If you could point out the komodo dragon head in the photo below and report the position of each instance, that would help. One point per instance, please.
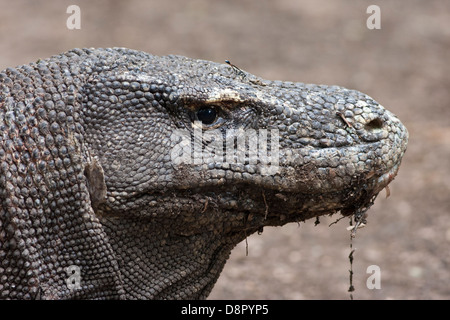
(141, 173)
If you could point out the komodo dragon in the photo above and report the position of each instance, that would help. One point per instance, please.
(112, 187)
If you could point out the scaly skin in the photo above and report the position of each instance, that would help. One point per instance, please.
(94, 172)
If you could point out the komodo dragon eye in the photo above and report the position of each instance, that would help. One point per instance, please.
(207, 115)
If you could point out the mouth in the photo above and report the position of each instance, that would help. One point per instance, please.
(383, 181)
(359, 206)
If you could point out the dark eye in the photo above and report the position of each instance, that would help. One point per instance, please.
(207, 115)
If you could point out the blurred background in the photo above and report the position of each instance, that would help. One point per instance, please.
(405, 66)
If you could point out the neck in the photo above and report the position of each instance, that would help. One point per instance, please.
(156, 264)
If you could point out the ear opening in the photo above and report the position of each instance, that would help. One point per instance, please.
(95, 182)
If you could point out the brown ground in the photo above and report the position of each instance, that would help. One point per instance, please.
(405, 66)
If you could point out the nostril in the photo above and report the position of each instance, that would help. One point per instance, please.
(374, 124)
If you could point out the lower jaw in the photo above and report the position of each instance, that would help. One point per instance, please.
(384, 180)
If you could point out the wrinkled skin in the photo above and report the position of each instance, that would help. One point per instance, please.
(94, 172)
